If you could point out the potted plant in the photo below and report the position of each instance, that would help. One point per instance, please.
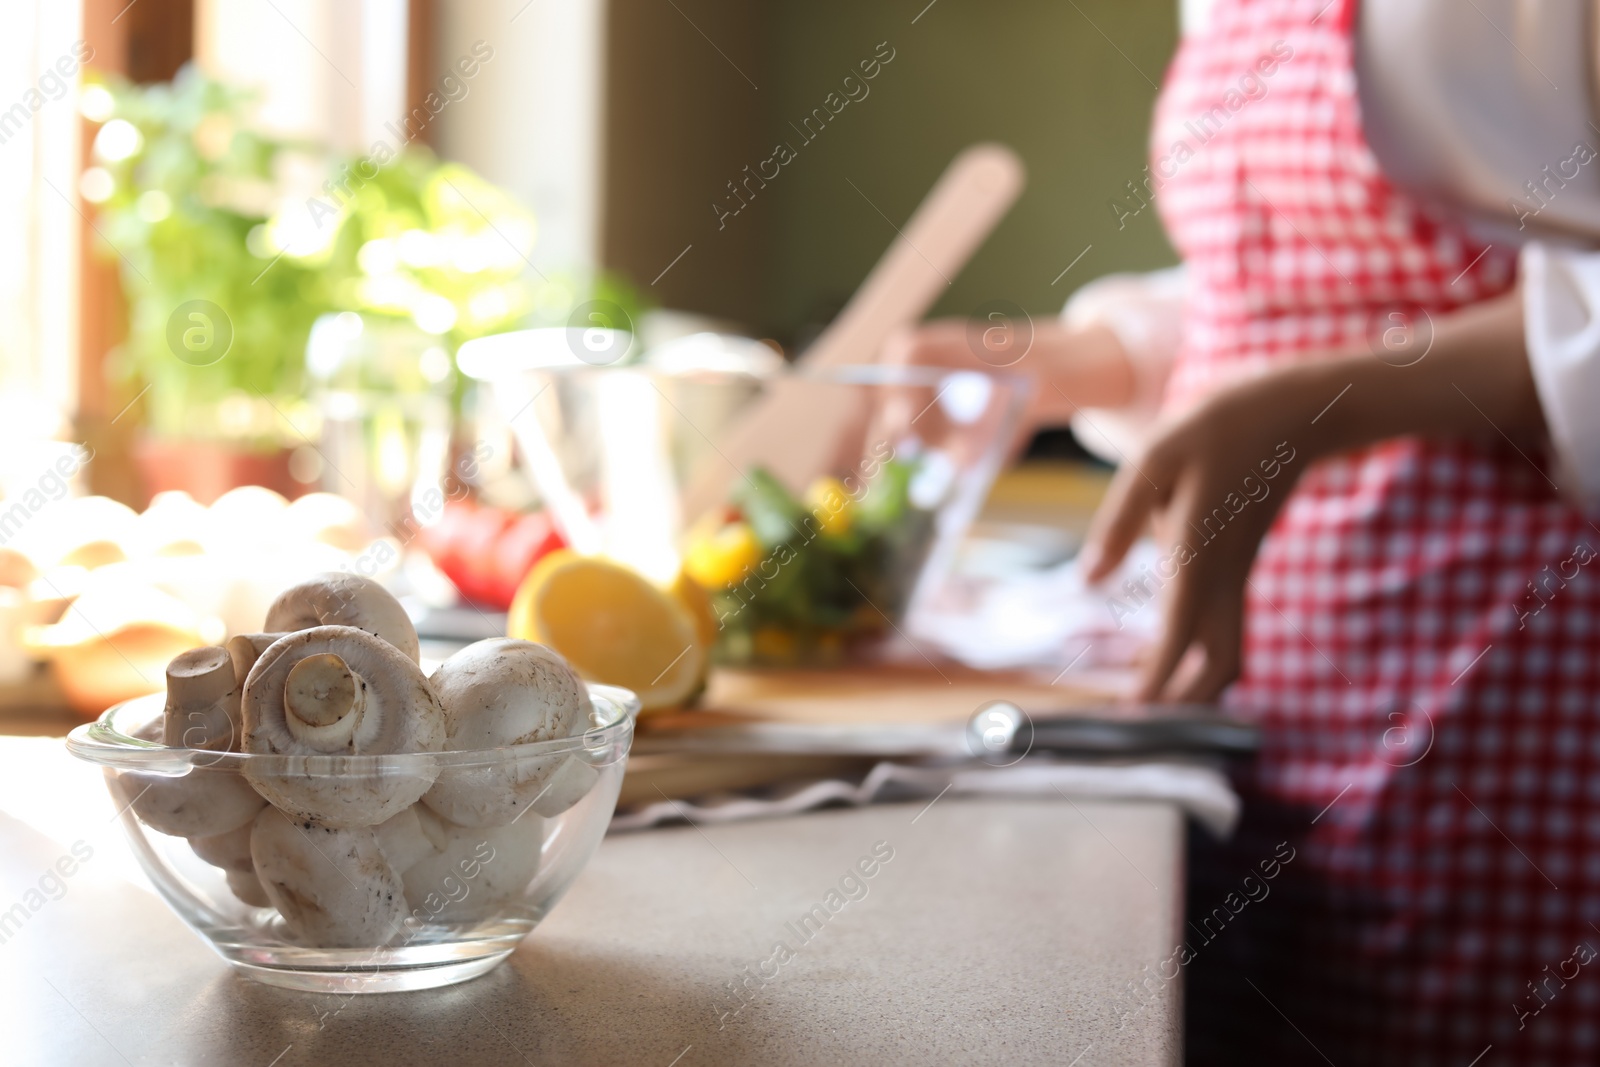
(232, 243)
(216, 328)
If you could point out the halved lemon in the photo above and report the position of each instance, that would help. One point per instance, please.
(697, 602)
(613, 625)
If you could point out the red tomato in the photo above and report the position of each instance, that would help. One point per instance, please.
(476, 553)
(524, 543)
(442, 540)
(487, 551)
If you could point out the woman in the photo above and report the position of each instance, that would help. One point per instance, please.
(1416, 627)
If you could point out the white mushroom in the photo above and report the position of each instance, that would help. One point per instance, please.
(202, 803)
(245, 522)
(344, 600)
(230, 851)
(328, 518)
(169, 526)
(472, 870)
(245, 649)
(88, 531)
(202, 711)
(202, 701)
(330, 692)
(247, 887)
(151, 730)
(403, 840)
(504, 692)
(334, 888)
(568, 782)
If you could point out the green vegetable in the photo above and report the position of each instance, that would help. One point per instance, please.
(887, 499)
(813, 591)
(770, 509)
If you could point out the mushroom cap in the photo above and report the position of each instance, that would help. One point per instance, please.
(245, 521)
(472, 871)
(247, 887)
(403, 840)
(401, 711)
(170, 526)
(230, 851)
(498, 693)
(502, 692)
(202, 709)
(329, 518)
(397, 712)
(204, 802)
(336, 599)
(564, 785)
(150, 731)
(334, 888)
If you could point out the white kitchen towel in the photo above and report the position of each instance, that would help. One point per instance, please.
(1203, 792)
(1030, 617)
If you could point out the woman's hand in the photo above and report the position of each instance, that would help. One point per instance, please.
(1212, 482)
(1214, 479)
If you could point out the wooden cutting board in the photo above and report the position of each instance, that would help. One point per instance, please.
(886, 694)
(878, 694)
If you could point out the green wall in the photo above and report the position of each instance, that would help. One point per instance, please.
(1034, 74)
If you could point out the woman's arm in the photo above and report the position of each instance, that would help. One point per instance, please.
(1474, 380)
(1110, 351)
(1071, 366)
(1068, 365)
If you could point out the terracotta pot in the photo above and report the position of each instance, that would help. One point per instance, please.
(207, 469)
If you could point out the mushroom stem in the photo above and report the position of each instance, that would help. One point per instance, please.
(245, 649)
(202, 709)
(322, 701)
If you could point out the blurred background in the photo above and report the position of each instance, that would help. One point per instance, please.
(245, 242)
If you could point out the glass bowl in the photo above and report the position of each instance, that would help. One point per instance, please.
(855, 495)
(413, 903)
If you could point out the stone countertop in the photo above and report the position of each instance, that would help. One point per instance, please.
(1000, 931)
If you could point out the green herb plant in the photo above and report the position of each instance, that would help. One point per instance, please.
(196, 203)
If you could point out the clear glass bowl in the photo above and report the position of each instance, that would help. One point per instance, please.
(470, 894)
(633, 461)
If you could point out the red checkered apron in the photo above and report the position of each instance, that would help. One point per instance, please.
(1423, 623)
